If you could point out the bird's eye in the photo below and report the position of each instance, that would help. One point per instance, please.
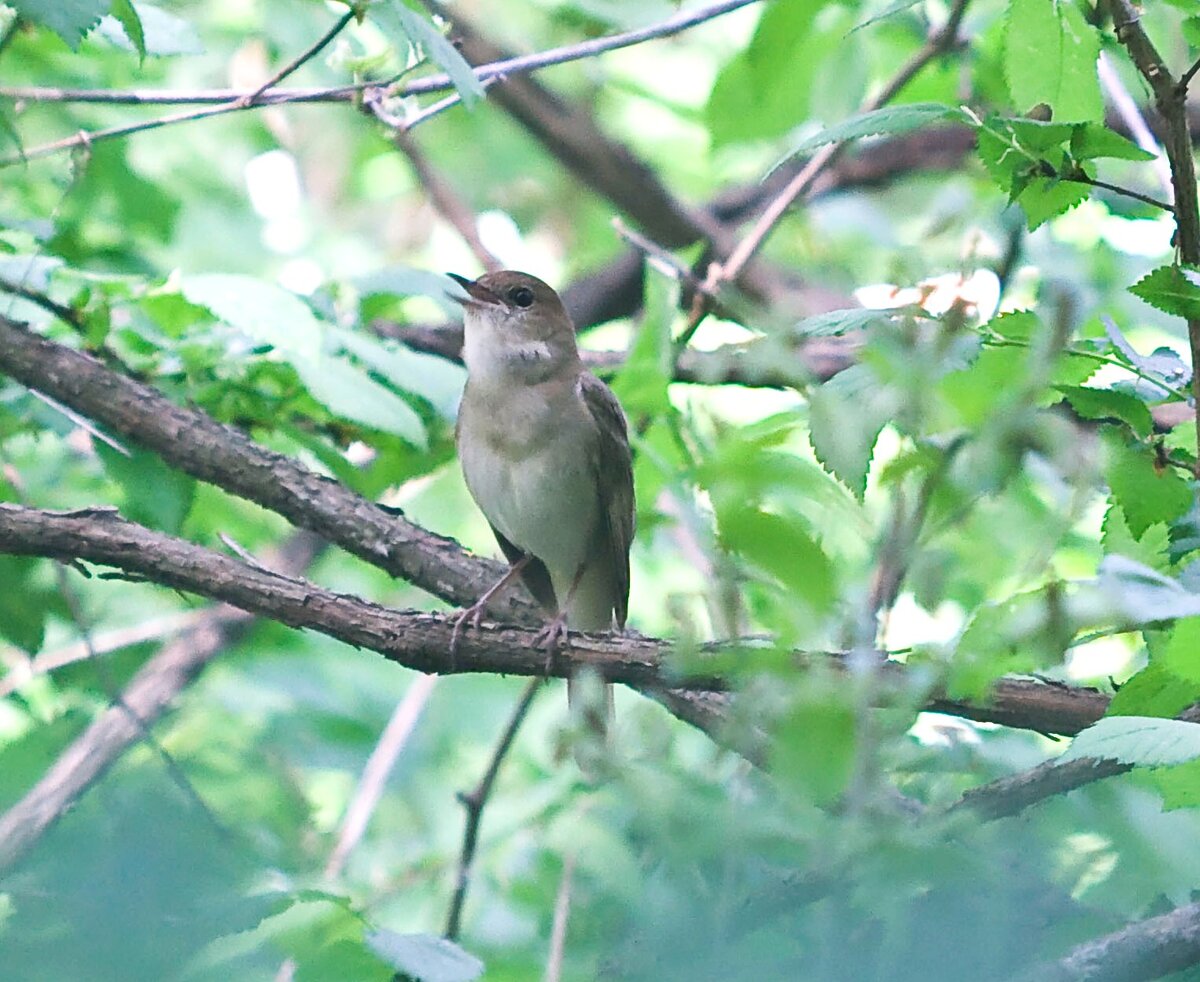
(522, 296)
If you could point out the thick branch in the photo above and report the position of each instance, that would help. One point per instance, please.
(1145, 950)
(197, 444)
(420, 640)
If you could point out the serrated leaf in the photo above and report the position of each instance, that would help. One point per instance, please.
(401, 25)
(1050, 54)
(125, 12)
(1172, 289)
(1181, 654)
(1150, 548)
(1146, 741)
(888, 121)
(425, 957)
(837, 322)
(1092, 403)
(69, 19)
(896, 8)
(1146, 491)
(1046, 198)
(1094, 140)
(845, 417)
(1152, 692)
(164, 34)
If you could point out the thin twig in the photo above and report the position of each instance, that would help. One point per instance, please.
(64, 313)
(378, 767)
(1185, 80)
(232, 100)
(301, 59)
(941, 42)
(474, 803)
(558, 930)
(445, 200)
(1080, 178)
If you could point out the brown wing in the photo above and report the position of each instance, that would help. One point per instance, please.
(535, 576)
(612, 466)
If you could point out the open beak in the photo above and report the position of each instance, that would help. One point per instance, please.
(476, 293)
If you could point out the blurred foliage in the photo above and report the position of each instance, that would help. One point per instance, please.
(992, 450)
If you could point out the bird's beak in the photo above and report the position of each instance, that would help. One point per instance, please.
(476, 293)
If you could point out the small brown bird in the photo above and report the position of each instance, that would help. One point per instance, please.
(545, 452)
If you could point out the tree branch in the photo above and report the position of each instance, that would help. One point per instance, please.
(1144, 950)
(476, 800)
(236, 100)
(148, 695)
(421, 640)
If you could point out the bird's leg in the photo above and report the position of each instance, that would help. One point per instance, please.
(554, 634)
(474, 613)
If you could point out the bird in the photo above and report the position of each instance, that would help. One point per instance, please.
(544, 449)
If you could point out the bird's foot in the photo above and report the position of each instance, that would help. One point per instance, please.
(553, 637)
(472, 615)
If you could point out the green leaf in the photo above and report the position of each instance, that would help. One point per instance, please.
(888, 121)
(401, 24)
(1050, 54)
(432, 378)
(125, 12)
(765, 91)
(425, 957)
(782, 548)
(1172, 289)
(896, 8)
(1091, 403)
(1147, 492)
(1150, 548)
(1146, 741)
(1094, 140)
(164, 34)
(1153, 691)
(23, 603)
(69, 19)
(641, 385)
(837, 322)
(1191, 31)
(975, 391)
(1181, 655)
(845, 416)
(262, 310)
(155, 494)
(349, 393)
(405, 281)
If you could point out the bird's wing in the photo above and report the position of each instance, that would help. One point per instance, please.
(612, 466)
(535, 576)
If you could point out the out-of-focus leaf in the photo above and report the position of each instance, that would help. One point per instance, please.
(641, 385)
(846, 415)
(1146, 741)
(1181, 654)
(430, 377)
(1095, 140)
(403, 25)
(353, 395)
(164, 34)
(1050, 54)
(22, 603)
(764, 91)
(888, 121)
(425, 957)
(69, 19)
(837, 322)
(1147, 491)
(1172, 289)
(896, 8)
(782, 548)
(29, 271)
(262, 310)
(125, 12)
(1127, 592)
(155, 494)
(1153, 691)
